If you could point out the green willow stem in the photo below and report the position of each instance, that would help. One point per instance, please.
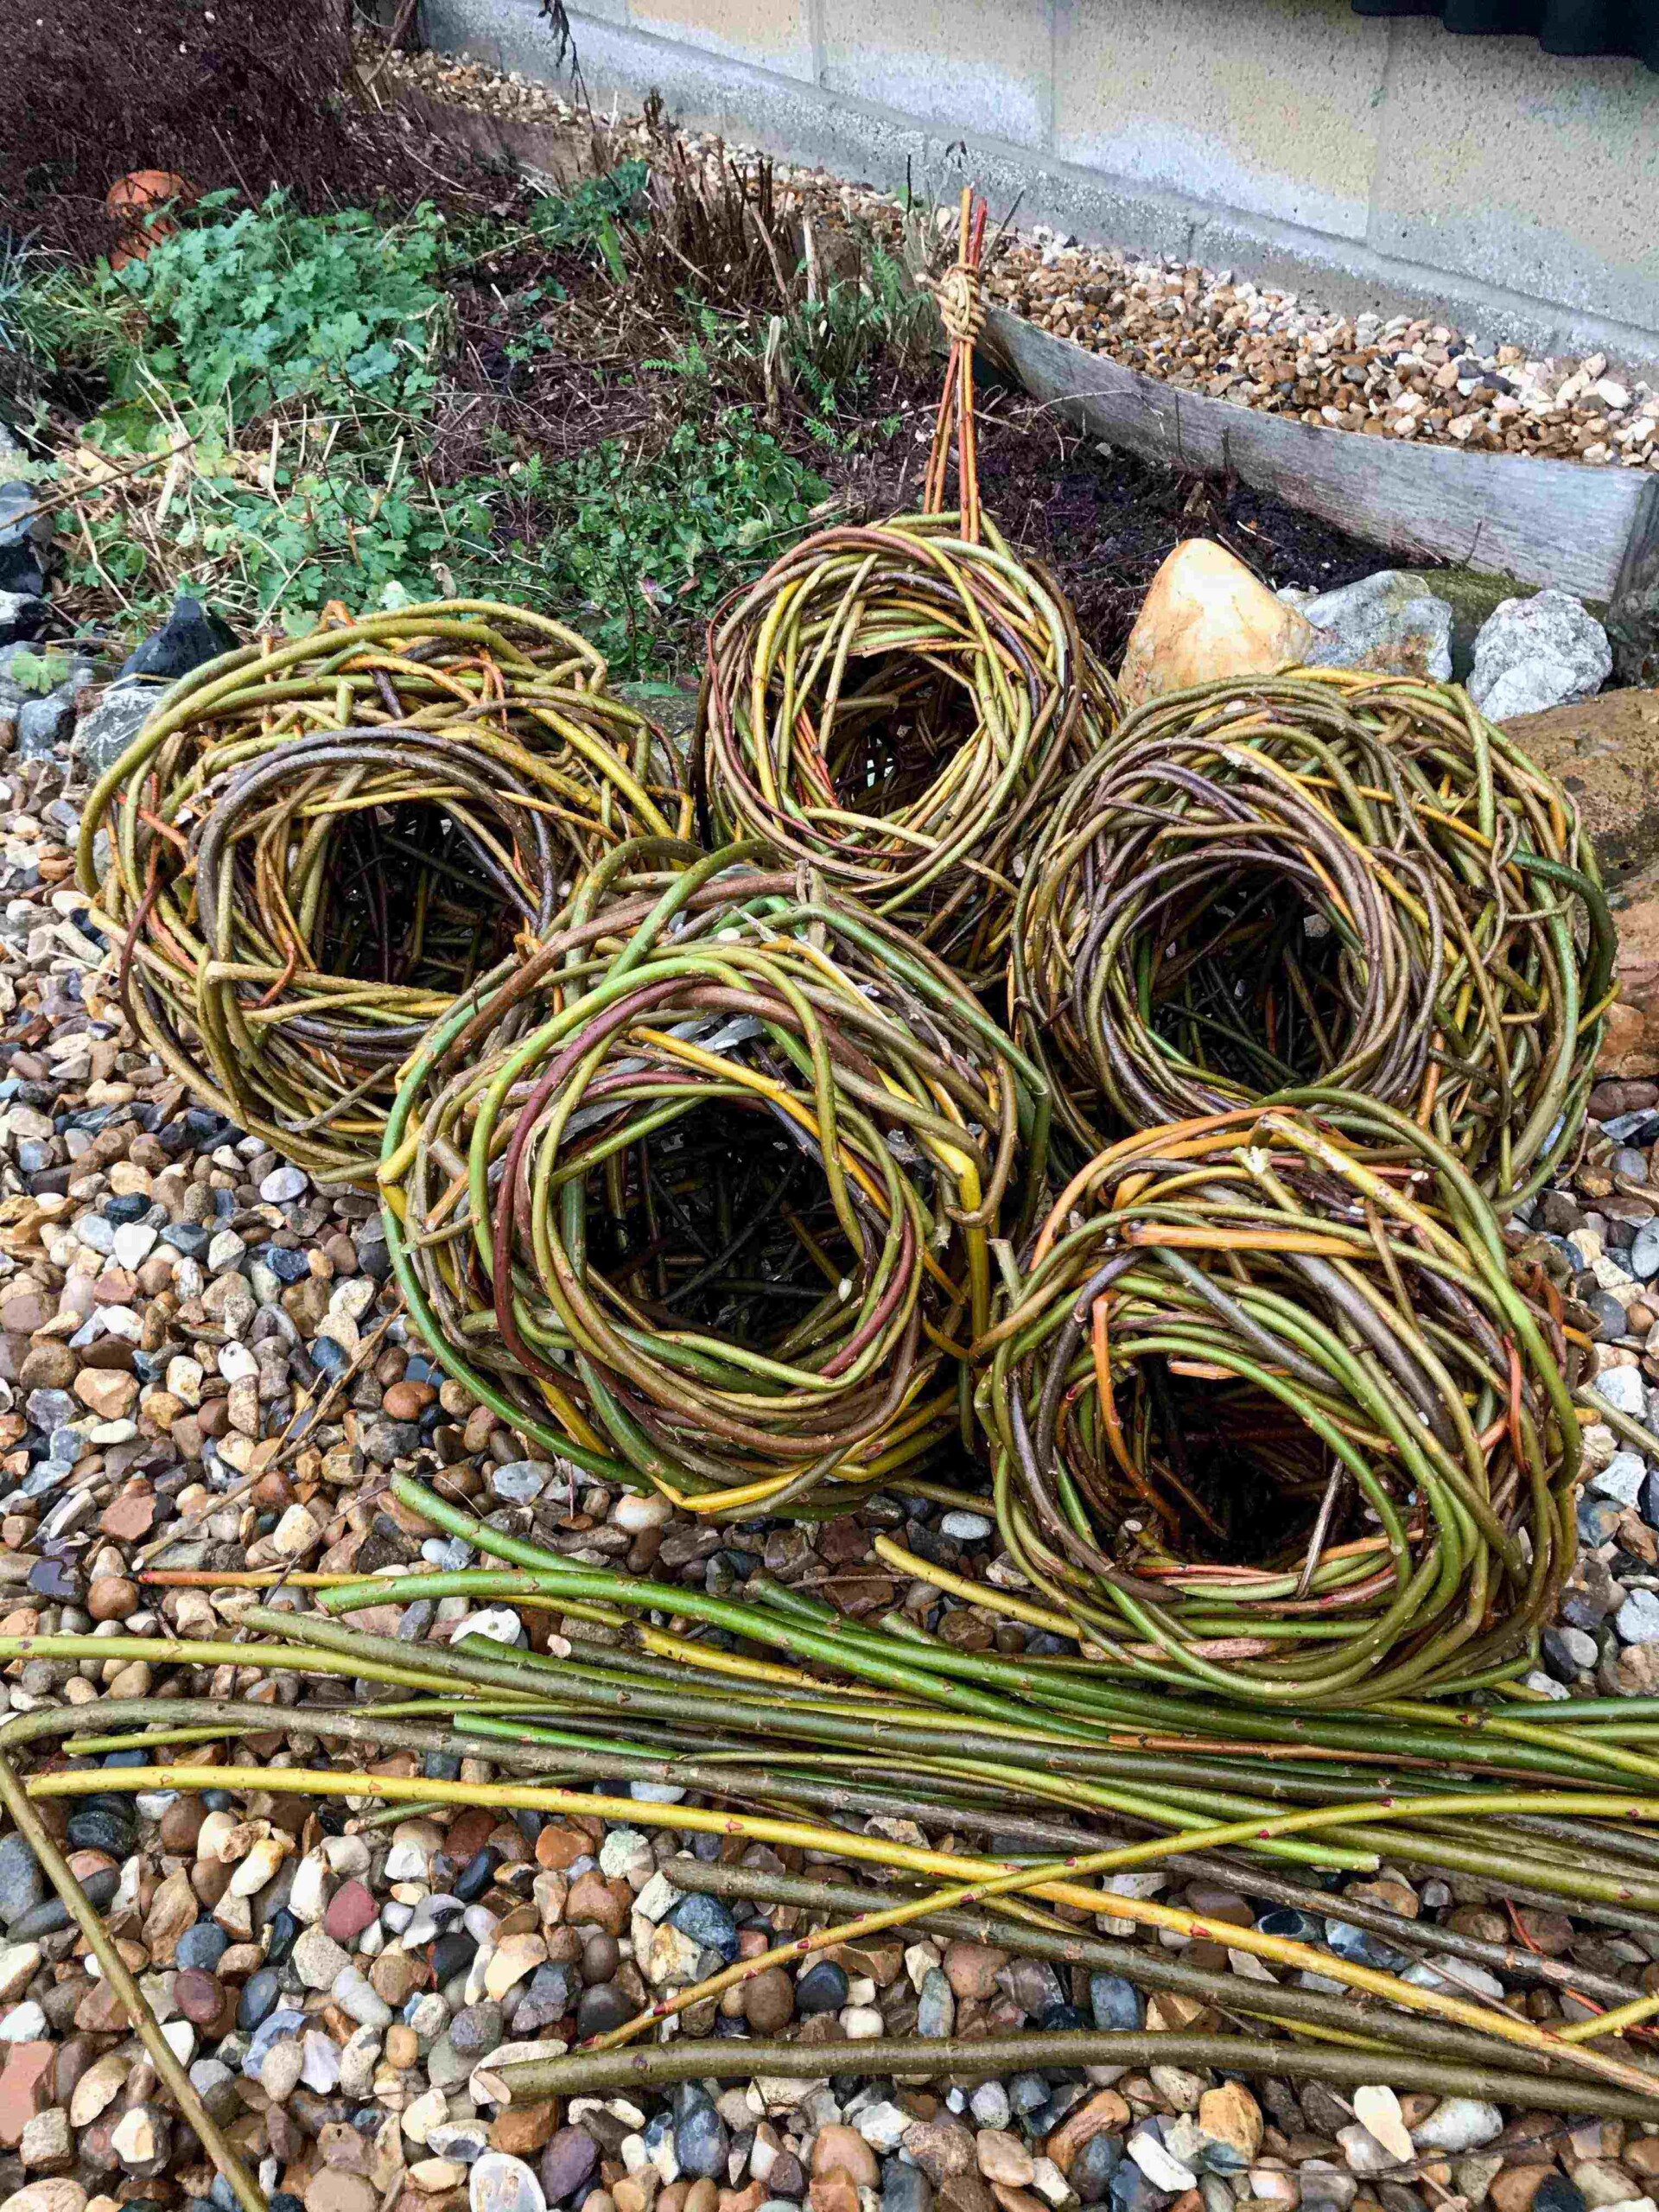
(728, 2058)
(1452, 1737)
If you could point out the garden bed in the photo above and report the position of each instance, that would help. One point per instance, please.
(574, 397)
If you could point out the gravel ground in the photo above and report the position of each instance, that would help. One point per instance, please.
(203, 1371)
(1213, 330)
(171, 1294)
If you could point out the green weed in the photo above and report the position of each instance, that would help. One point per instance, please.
(296, 358)
(641, 551)
(272, 305)
(592, 214)
(832, 343)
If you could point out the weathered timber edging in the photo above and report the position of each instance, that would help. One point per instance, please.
(1542, 522)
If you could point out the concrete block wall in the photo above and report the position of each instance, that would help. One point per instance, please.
(1367, 162)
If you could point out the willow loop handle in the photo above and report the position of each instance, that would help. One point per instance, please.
(962, 310)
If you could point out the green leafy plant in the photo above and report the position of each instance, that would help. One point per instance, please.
(592, 213)
(335, 537)
(39, 672)
(293, 360)
(831, 343)
(273, 305)
(640, 551)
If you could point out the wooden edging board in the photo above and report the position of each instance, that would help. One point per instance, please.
(1542, 522)
(550, 148)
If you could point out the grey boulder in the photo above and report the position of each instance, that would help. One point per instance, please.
(1388, 622)
(44, 724)
(23, 616)
(109, 729)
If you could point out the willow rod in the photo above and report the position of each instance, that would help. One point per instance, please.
(728, 2058)
(117, 1973)
(952, 1866)
(1157, 1969)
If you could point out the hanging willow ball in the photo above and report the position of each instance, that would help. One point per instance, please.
(1264, 1402)
(1333, 878)
(897, 706)
(313, 847)
(703, 1192)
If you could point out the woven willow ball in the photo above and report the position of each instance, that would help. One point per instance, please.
(896, 706)
(1333, 878)
(1267, 1413)
(315, 847)
(704, 1191)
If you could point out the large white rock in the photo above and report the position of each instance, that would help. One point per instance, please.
(1538, 652)
(1206, 617)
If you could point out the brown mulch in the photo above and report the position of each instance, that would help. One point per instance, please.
(242, 95)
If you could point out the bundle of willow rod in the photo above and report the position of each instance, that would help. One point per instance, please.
(703, 1190)
(1263, 1399)
(315, 847)
(980, 1788)
(1332, 877)
(898, 703)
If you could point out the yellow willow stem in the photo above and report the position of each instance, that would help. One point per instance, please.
(837, 1843)
(662, 1645)
(270, 1578)
(976, 1593)
(868, 1923)
(253, 1578)
(280, 1658)
(1613, 2023)
(117, 1974)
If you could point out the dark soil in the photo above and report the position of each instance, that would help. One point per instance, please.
(1103, 520)
(243, 96)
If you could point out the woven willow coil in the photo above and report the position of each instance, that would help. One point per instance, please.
(897, 704)
(314, 846)
(703, 1192)
(1264, 1402)
(1330, 877)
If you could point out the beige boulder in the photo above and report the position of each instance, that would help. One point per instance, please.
(1605, 751)
(1630, 1044)
(1206, 616)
